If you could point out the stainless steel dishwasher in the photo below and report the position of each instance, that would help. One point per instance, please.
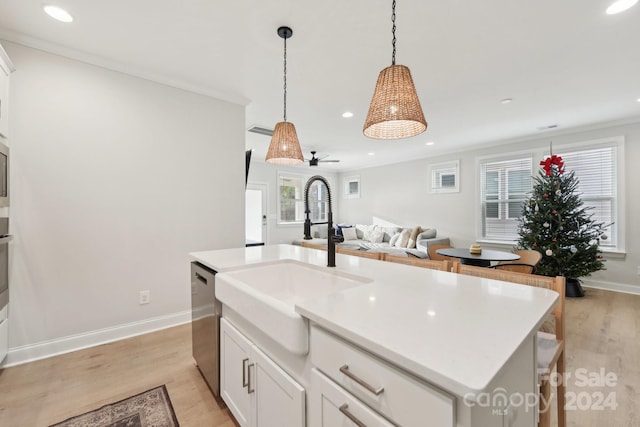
(205, 324)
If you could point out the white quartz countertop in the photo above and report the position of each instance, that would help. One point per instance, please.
(454, 331)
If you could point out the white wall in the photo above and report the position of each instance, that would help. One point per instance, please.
(263, 173)
(399, 193)
(115, 179)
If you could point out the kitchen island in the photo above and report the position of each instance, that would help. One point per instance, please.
(460, 345)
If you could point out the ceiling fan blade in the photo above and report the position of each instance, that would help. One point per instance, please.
(313, 161)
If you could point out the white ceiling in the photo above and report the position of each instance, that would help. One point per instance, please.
(562, 62)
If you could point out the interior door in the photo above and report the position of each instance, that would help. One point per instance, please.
(256, 213)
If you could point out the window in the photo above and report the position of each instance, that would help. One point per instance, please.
(351, 187)
(291, 200)
(444, 177)
(595, 168)
(599, 166)
(504, 185)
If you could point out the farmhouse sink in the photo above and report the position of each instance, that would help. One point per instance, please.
(266, 295)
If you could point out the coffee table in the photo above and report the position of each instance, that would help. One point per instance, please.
(482, 260)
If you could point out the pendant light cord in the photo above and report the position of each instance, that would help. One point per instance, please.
(285, 78)
(393, 31)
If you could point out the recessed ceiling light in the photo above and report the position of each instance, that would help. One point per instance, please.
(620, 6)
(638, 99)
(371, 154)
(58, 13)
(347, 114)
(506, 101)
(429, 143)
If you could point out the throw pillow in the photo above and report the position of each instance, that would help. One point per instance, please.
(427, 233)
(403, 239)
(374, 235)
(340, 227)
(379, 236)
(412, 238)
(361, 229)
(349, 233)
(389, 232)
(394, 239)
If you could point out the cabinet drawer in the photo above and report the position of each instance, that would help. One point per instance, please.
(331, 406)
(402, 398)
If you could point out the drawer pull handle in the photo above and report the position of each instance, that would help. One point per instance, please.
(249, 389)
(345, 370)
(201, 278)
(245, 383)
(345, 410)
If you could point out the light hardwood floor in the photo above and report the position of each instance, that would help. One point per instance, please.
(44, 392)
(602, 332)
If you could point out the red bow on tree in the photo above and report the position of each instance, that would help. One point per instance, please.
(552, 160)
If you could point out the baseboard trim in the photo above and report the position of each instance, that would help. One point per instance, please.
(45, 349)
(611, 286)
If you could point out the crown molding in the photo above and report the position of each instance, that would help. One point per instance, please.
(120, 67)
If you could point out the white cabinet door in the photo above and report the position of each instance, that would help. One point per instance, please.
(235, 350)
(279, 399)
(256, 390)
(332, 406)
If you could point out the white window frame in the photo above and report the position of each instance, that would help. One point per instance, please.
(438, 170)
(348, 193)
(303, 179)
(541, 153)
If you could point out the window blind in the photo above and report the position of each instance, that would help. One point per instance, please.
(596, 171)
(504, 185)
(445, 177)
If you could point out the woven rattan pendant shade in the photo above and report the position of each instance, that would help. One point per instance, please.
(285, 147)
(395, 110)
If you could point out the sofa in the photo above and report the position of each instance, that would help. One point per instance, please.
(388, 239)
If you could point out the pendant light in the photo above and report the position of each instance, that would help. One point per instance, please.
(284, 148)
(395, 110)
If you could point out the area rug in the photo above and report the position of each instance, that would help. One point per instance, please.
(150, 408)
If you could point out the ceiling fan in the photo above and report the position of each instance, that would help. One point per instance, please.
(313, 161)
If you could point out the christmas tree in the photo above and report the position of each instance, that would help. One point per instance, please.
(555, 223)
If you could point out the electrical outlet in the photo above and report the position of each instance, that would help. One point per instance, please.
(145, 297)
